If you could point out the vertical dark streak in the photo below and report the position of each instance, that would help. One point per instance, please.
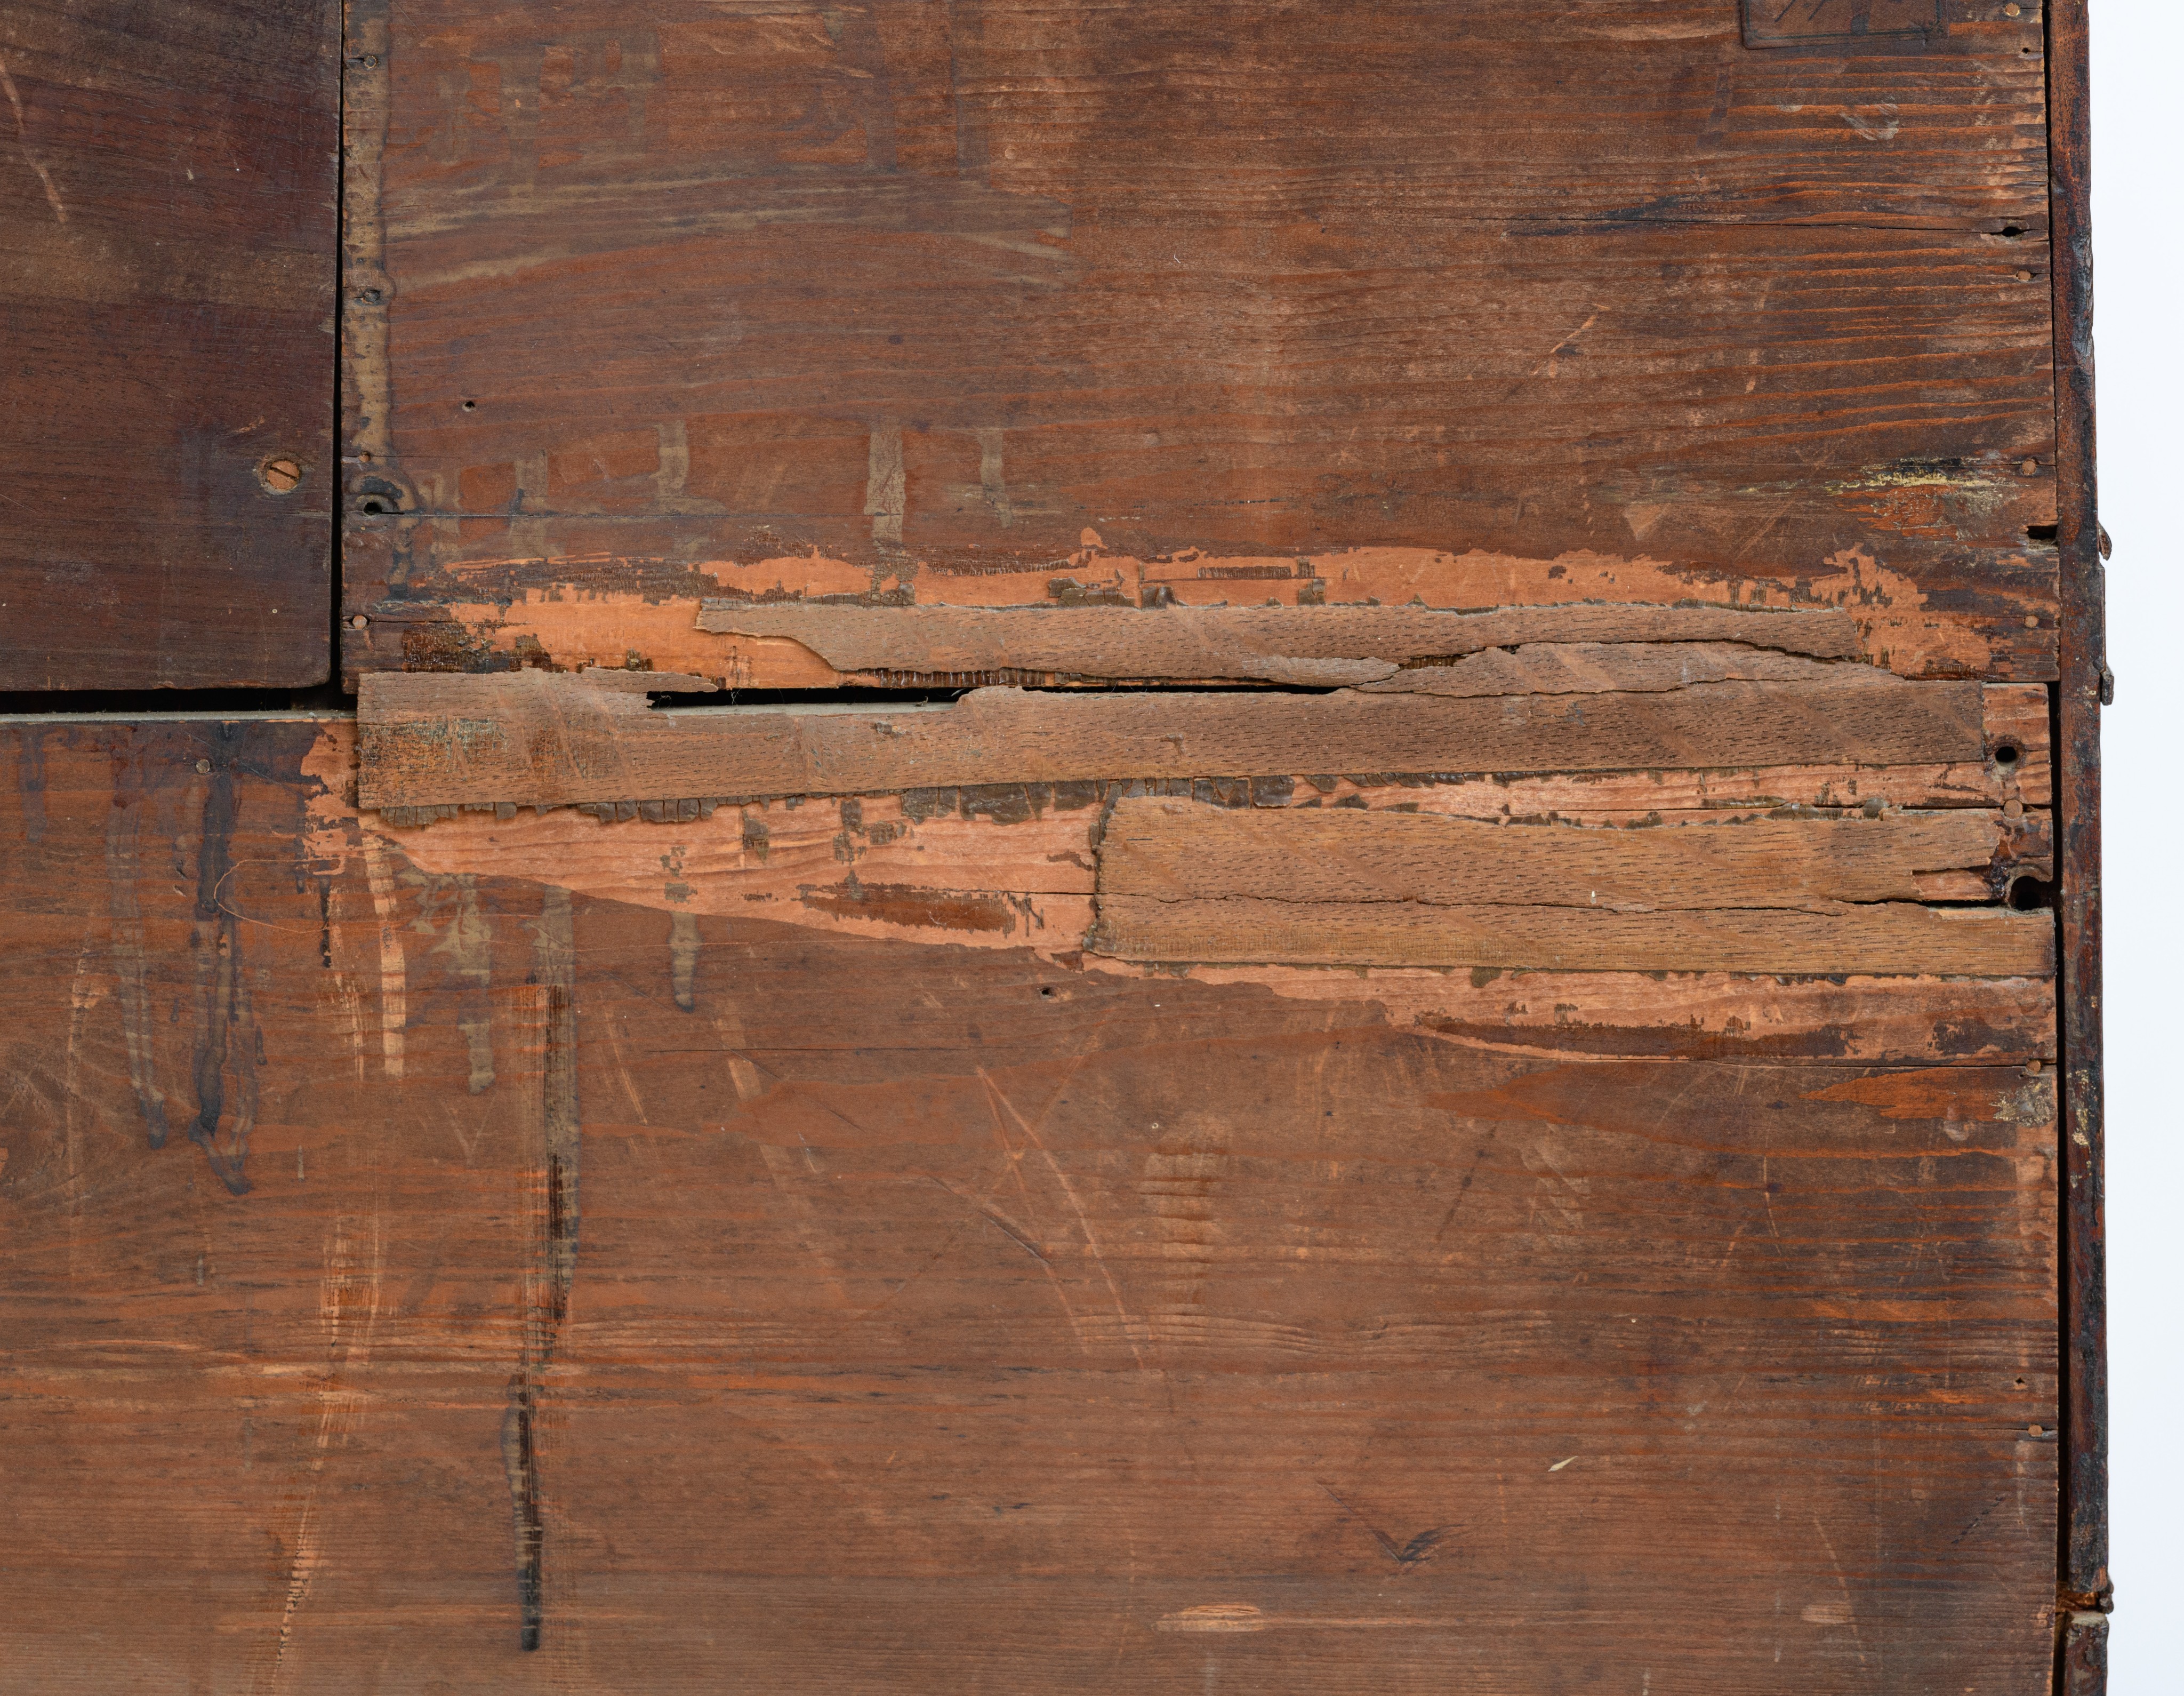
(520, 1455)
(552, 1278)
(223, 995)
(2084, 1554)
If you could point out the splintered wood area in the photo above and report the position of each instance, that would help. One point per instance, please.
(768, 1234)
(1010, 305)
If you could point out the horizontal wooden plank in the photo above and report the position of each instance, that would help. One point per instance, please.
(886, 1315)
(1881, 938)
(1325, 647)
(1014, 305)
(611, 610)
(1602, 668)
(167, 270)
(535, 738)
(1178, 850)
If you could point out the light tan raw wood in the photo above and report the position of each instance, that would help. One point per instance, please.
(1603, 668)
(1882, 939)
(535, 738)
(1012, 866)
(1323, 646)
(1179, 850)
(606, 610)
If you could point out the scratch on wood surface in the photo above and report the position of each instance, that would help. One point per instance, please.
(29, 155)
(343, 1289)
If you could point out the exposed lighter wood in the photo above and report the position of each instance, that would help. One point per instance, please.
(535, 738)
(1176, 851)
(1879, 939)
(1600, 668)
(1322, 646)
(1843, 1019)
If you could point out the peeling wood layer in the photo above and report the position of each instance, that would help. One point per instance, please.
(1879, 939)
(1177, 851)
(540, 739)
(612, 610)
(1326, 648)
(929, 313)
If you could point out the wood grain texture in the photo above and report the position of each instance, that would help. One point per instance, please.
(1053, 304)
(1180, 850)
(1325, 648)
(1881, 938)
(166, 298)
(536, 738)
(944, 1317)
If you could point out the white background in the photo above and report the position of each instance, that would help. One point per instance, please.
(2138, 299)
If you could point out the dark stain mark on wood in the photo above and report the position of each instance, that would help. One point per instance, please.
(554, 1214)
(227, 1037)
(1406, 1555)
(918, 908)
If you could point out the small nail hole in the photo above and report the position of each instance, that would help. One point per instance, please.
(372, 505)
(2005, 754)
(1048, 991)
(2012, 230)
(469, 406)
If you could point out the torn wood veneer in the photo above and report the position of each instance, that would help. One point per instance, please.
(610, 610)
(541, 739)
(1323, 647)
(1883, 938)
(1177, 851)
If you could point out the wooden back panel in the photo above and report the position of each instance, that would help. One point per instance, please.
(433, 1243)
(1001, 304)
(167, 271)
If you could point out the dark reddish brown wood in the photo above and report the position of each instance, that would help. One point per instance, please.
(404, 1263)
(167, 264)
